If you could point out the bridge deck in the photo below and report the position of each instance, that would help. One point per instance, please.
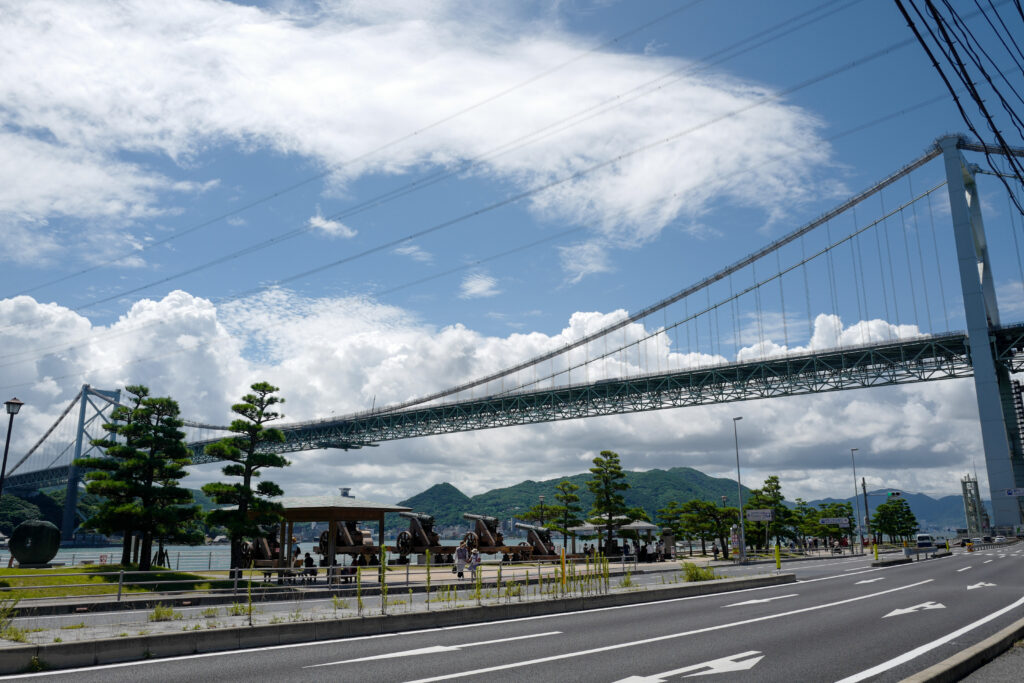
(899, 362)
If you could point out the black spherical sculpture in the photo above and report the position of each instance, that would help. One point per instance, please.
(34, 542)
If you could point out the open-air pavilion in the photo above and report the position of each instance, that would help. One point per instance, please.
(335, 510)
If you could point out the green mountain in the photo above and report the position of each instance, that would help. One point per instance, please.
(651, 490)
(445, 502)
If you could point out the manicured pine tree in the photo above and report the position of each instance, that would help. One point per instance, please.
(607, 486)
(568, 511)
(247, 455)
(146, 469)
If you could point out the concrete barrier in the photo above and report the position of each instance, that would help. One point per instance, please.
(112, 650)
(973, 658)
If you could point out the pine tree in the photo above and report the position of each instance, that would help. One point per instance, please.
(247, 457)
(568, 511)
(142, 474)
(607, 486)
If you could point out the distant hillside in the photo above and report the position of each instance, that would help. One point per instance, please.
(941, 515)
(651, 490)
(445, 502)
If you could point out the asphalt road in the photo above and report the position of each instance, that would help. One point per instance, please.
(847, 622)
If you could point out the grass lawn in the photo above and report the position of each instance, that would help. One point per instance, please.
(101, 580)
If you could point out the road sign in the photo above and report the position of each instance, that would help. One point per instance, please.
(838, 521)
(760, 515)
(1015, 493)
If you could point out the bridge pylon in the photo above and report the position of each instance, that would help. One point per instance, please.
(1000, 433)
(95, 407)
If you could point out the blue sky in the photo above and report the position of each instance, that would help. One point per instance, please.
(173, 173)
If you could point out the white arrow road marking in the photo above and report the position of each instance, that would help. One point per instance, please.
(656, 639)
(715, 666)
(754, 602)
(880, 578)
(980, 584)
(964, 569)
(908, 610)
(433, 649)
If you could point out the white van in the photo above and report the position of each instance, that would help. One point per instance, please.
(925, 541)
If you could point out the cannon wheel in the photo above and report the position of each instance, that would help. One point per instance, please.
(472, 540)
(524, 551)
(404, 543)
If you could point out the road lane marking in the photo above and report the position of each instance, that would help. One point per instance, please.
(433, 649)
(659, 639)
(964, 569)
(880, 578)
(915, 608)
(715, 666)
(986, 561)
(334, 641)
(754, 602)
(917, 652)
(980, 584)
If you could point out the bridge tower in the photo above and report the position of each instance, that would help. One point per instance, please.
(95, 406)
(1000, 433)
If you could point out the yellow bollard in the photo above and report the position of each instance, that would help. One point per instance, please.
(875, 546)
(563, 571)
(778, 557)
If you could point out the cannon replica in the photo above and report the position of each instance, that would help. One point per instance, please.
(488, 539)
(350, 540)
(539, 541)
(420, 538)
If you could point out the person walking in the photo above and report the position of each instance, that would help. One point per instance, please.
(461, 558)
(474, 562)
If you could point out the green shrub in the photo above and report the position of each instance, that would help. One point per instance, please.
(162, 613)
(694, 573)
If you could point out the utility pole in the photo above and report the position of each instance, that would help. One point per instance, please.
(867, 512)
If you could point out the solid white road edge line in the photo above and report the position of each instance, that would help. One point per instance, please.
(658, 639)
(917, 652)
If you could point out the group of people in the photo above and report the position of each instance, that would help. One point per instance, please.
(465, 559)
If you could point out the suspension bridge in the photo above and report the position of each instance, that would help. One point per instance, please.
(914, 269)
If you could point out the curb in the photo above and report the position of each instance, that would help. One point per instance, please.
(52, 656)
(971, 659)
(149, 601)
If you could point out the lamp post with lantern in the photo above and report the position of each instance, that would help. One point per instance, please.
(13, 406)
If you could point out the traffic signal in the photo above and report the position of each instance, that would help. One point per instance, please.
(895, 494)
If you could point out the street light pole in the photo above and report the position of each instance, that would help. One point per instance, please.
(541, 509)
(739, 490)
(856, 500)
(13, 406)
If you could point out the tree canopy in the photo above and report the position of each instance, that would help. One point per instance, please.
(246, 459)
(145, 459)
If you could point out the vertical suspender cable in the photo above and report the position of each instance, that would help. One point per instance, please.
(757, 300)
(938, 263)
(1013, 230)
(807, 291)
(881, 273)
(920, 259)
(782, 301)
(892, 271)
(865, 330)
(910, 271)
(837, 319)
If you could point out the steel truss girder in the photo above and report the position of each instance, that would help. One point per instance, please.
(900, 362)
(33, 481)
